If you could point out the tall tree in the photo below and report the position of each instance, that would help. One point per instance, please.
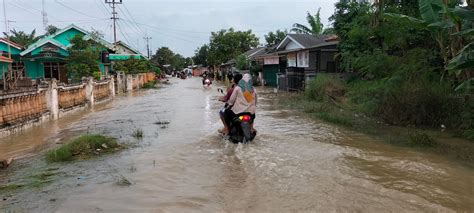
(273, 38)
(315, 26)
(163, 56)
(83, 59)
(201, 54)
(22, 38)
(228, 44)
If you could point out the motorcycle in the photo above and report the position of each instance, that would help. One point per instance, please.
(240, 128)
(207, 82)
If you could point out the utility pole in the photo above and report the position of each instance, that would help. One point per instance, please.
(147, 39)
(114, 17)
(45, 16)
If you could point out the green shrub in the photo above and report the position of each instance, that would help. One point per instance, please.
(82, 147)
(324, 86)
(469, 134)
(419, 139)
(149, 85)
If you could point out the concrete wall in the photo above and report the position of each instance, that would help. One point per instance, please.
(128, 83)
(22, 109)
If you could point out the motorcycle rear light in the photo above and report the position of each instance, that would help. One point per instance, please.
(245, 118)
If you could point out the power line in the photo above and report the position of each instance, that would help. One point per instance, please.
(79, 20)
(72, 9)
(133, 19)
(99, 7)
(175, 36)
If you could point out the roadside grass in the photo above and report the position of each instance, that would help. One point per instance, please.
(345, 114)
(36, 180)
(149, 85)
(83, 147)
(137, 133)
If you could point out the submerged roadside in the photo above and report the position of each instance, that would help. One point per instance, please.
(440, 141)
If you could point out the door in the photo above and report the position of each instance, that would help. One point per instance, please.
(270, 74)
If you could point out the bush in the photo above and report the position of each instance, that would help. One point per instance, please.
(323, 87)
(137, 133)
(82, 147)
(421, 140)
(149, 85)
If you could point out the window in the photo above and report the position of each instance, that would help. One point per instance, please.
(303, 59)
(51, 70)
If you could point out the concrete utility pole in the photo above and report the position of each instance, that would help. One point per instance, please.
(114, 17)
(147, 39)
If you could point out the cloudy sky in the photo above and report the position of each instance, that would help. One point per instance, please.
(182, 25)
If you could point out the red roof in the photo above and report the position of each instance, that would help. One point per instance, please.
(5, 59)
(13, 44)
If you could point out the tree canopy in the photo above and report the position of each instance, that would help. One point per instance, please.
(83, 59)
(315, 26)
(273, 38)
(201, 55)
(51, 29)
(225, 45)
(22, 38)
(165, 56)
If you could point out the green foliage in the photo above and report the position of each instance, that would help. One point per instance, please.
(149, 85)
(324, 87)
(228, 44)
(420, 139)
(165, 56)
(135, 66)
(83, 147)
(83, 59)
(51, 29)
(242, 62)
(22, 38)
(201, 55)
(315, 25)
(274, 38)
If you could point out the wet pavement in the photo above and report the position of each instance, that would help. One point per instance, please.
(295, 164)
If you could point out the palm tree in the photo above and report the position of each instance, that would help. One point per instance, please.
(315, 25)
(22, 38)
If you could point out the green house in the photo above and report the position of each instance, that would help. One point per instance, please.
(46, 58)
(15, 50)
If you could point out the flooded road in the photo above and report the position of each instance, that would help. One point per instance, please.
(295, 164)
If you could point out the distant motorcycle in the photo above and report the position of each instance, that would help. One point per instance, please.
(207, 82)
(240, 128)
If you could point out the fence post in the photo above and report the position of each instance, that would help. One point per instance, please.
(52, 99)
(129, 83)
(111, 87)
(90, 91)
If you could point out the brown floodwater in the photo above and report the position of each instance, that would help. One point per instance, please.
(295, 164)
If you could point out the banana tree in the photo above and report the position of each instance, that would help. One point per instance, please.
(452, 28)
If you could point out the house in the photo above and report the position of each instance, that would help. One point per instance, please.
(46, 58)
(252, 55)
(7, 46)
(297, 58)
(125, 49)
(198, 70)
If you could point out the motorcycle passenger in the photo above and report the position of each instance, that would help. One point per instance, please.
(242, 100)
(230, 89)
